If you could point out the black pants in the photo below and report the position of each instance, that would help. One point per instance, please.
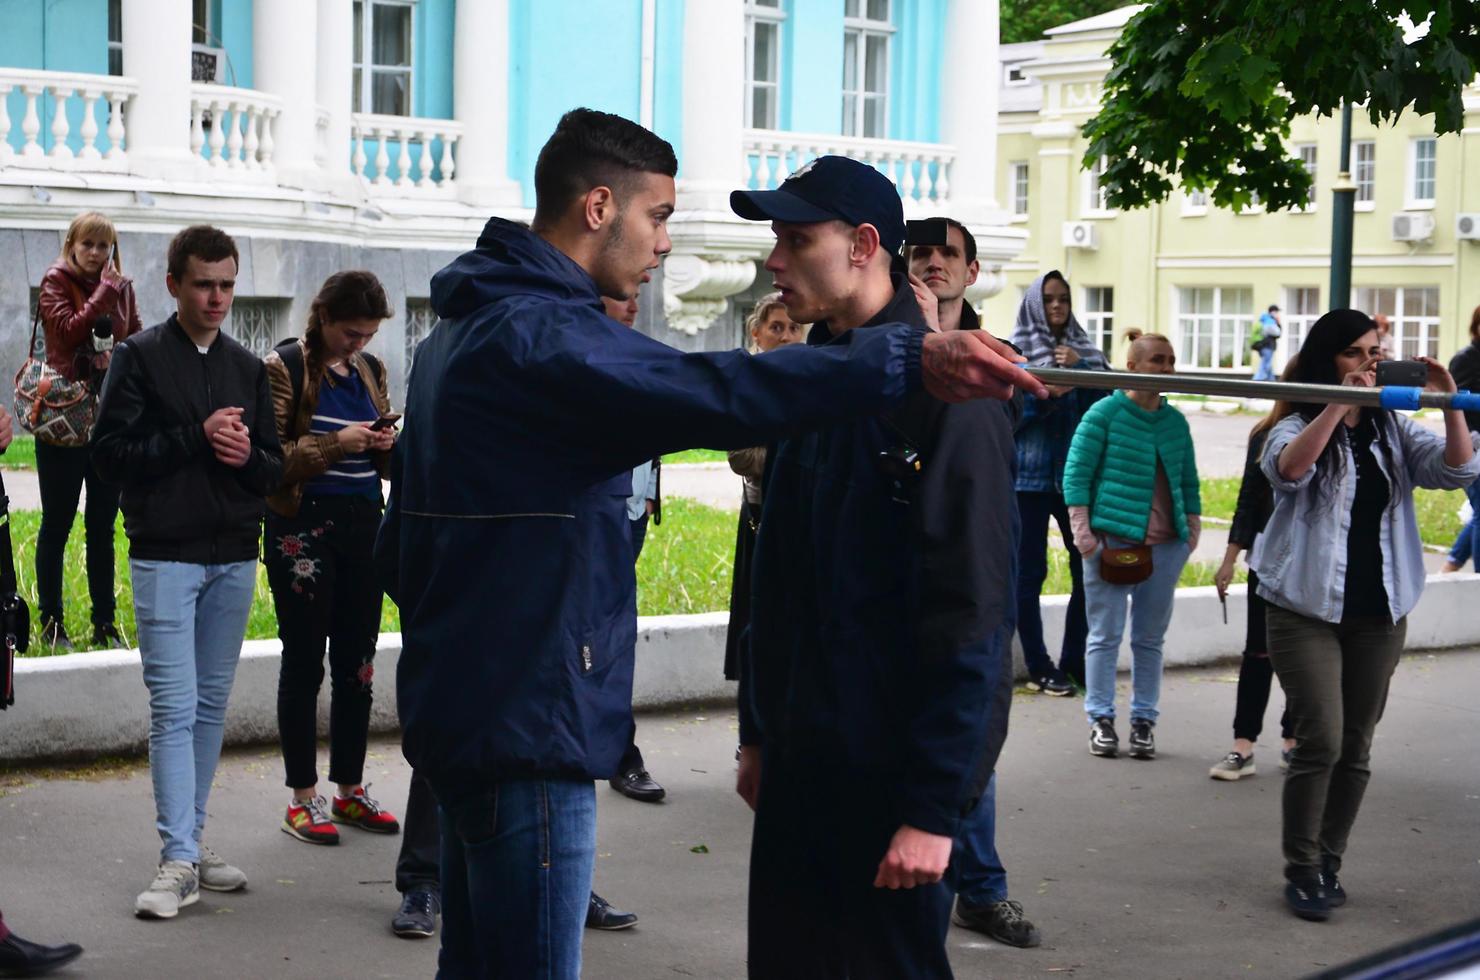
(819, 836)
(320, 567)
(1035, 510)
(62, 472)
(420, 862)
(1255, 674)
(632, 758)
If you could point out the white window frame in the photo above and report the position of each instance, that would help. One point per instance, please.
(865, 27)
(1416, 200)
(1422, 329)
(1094, 203)
(368, 69)
(1295, 324)
(771, 16)
(115, 45)
(1194, 203)
(1310, 157)
(1369, 184)
(1186, 348)
(1099, 323)
(1019, 188)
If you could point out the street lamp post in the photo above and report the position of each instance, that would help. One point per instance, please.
(1343, 207)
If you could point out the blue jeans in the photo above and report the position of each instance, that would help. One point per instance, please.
(976, 871)
(191, 619)
(1265, 371)
(1464, 545)
(1151, 612)
(517, 858)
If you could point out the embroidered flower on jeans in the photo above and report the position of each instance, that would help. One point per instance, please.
(291, 545)
(306, 569)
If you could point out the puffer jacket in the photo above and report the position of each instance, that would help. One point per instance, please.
(1112, 466)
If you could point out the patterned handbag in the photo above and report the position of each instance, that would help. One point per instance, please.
(56, 411)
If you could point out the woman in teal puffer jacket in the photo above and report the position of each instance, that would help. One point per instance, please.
(1131, 479)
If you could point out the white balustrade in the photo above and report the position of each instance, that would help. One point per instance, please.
(240, 123)
(397, 171)
(64, 95)
(920, 171)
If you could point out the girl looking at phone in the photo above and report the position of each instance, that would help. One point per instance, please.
(319, 537)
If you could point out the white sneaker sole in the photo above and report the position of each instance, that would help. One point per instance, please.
(1229, 775)
(148, 913)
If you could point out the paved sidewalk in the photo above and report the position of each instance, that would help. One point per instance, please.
(1131, 869)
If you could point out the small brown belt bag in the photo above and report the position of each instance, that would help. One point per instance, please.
(1125, 566)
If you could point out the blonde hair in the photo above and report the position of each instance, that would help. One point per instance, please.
(758, 316)
(1139, 344)
(92, 224)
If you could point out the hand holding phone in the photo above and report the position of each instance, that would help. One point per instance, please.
(385, 422)
(1402, 374)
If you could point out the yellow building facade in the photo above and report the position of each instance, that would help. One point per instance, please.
(1202, 275)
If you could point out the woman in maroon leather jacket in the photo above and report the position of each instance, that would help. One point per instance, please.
(87, 304)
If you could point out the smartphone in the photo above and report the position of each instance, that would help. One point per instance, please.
(1402, 374)
(384, 422)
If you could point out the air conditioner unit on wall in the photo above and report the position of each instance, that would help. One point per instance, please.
(1413, 226)
(1081, 234)
(1467, 227)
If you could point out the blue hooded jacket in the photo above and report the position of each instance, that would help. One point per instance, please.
(506, 542)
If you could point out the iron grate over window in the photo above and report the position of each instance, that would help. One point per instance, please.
(420, 319)
(255, 323)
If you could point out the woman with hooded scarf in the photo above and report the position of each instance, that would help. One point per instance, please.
(1049, 336)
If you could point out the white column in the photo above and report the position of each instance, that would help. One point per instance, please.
(156, 52)
(480, 101)
(284, 48)
(969, 99)
(335, 75)
(713, 104)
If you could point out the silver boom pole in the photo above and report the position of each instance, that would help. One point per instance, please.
(1389, 397)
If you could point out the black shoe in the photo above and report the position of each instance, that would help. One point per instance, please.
(19, 958)
(417, 917)
(1307, 898)
(1102, 738)
(637, 784)
(1335, 894)
(600, 915)
(1053, 683)
(1002, 921)
(1143, 743)
(107, 637)
(54, 635)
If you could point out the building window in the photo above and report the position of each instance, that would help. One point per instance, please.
(1308, 160)
(202, 31)
(1213, 326)
(1096, 197)
(866, 32)
(115, 37)
(420, 319)
(1412, 311)
(763, 20)
(1194, 202)
(1099, 317)
(1302, 308)
(382, 42)
(1014, 76)
(1365, 171)
(1020, 187)
(254, 323)
(1424, 155)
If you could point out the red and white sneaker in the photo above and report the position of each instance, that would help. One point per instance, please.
(363, 812)
(309, 821)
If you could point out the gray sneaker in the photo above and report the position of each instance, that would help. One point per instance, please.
(218, 876)
(1233, 766)
(1003, 921)
(175, 886)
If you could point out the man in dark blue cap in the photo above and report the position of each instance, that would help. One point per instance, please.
(875, 694)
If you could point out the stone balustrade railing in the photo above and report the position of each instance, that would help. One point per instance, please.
(382, 156)
(921, 171)
(231, 128)
(76, 137)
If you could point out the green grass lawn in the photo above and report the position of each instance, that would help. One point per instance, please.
(20, 454)
(697, 456)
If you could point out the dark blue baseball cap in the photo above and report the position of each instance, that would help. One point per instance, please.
(830, 188)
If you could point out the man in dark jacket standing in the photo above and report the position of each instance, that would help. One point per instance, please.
(506, 541)
(185, 427)
(879, 676)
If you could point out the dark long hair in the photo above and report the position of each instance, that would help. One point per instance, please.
(350, 295)
(1333, 333)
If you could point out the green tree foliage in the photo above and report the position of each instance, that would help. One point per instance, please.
(1205, 89)
(1026, 20)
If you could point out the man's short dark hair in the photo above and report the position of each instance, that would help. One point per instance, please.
(202, 242)
(967, 239)
(594, 149)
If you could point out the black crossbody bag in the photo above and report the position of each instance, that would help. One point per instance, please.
(15, 617)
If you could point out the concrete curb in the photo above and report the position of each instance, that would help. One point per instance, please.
(84, 705)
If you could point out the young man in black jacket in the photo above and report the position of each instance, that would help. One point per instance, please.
(876, 698)
(185, 427)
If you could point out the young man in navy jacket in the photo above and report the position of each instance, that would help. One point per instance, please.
(506, 542)
(879, 680)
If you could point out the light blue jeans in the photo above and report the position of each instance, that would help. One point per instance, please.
(1151, 612)
(191, 619)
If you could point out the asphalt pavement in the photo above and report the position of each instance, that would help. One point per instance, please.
(1130, 869)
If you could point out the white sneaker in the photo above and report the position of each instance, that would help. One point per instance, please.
(218, 876)
(175, 886)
